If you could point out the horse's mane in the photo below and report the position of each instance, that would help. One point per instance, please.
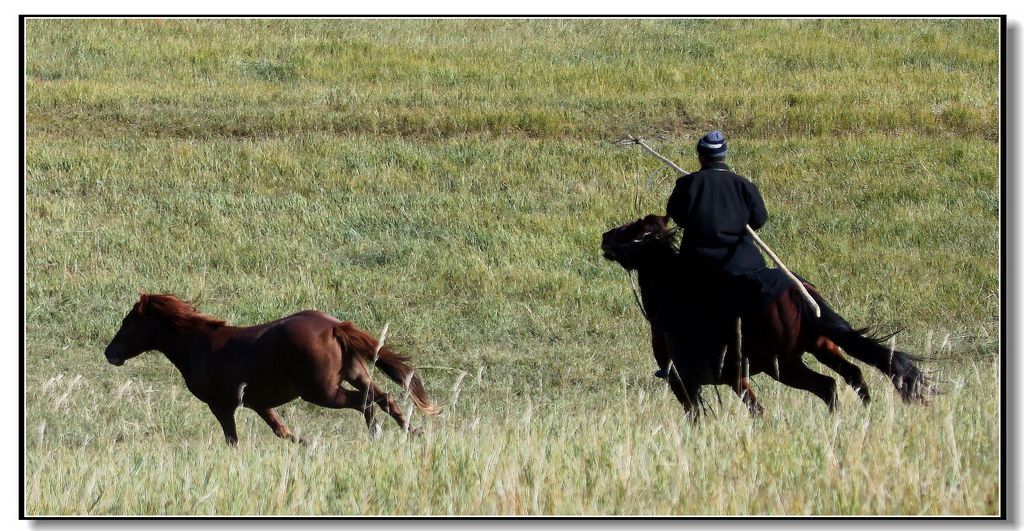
(175, 311)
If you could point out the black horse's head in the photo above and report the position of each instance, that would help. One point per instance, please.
(633, 244)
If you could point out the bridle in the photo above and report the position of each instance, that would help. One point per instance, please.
(636, 295)
(642, 240)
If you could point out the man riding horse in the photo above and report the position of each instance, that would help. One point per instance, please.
(714, 205)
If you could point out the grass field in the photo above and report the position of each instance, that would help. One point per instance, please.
(453, 178)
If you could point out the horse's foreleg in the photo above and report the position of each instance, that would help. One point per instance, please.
(271, 417)
(746, 393)
(687, 391)
(226, 416)
(659, 348)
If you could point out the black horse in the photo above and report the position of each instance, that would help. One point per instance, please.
(774, 332)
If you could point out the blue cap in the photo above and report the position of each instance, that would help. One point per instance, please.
(712, 145)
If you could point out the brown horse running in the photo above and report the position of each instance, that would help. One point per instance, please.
(772, 338)
(308, 354)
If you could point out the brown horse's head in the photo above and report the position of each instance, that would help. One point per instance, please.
(625, 244)
(135, 335)
(148, 322)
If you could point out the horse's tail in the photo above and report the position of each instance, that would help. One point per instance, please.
(897, 365)
(394, 365)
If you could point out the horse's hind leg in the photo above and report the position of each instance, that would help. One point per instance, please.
(342, 398)
(270, 416)
(797, 374)
(375, 395)
(829, 354)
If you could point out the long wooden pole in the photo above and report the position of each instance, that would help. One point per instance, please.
(757, 239)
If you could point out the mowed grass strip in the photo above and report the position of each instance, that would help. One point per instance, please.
(452, 178)
(547, 79)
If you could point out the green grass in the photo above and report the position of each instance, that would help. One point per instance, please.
(452, 178)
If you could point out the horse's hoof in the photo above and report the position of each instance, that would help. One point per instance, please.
(661, 373)
(415, 432)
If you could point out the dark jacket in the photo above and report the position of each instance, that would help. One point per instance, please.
(713, 205)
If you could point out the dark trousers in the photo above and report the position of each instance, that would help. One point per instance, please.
(713, 301)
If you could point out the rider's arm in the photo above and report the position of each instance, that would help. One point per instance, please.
(758, 213)
(680, 202)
